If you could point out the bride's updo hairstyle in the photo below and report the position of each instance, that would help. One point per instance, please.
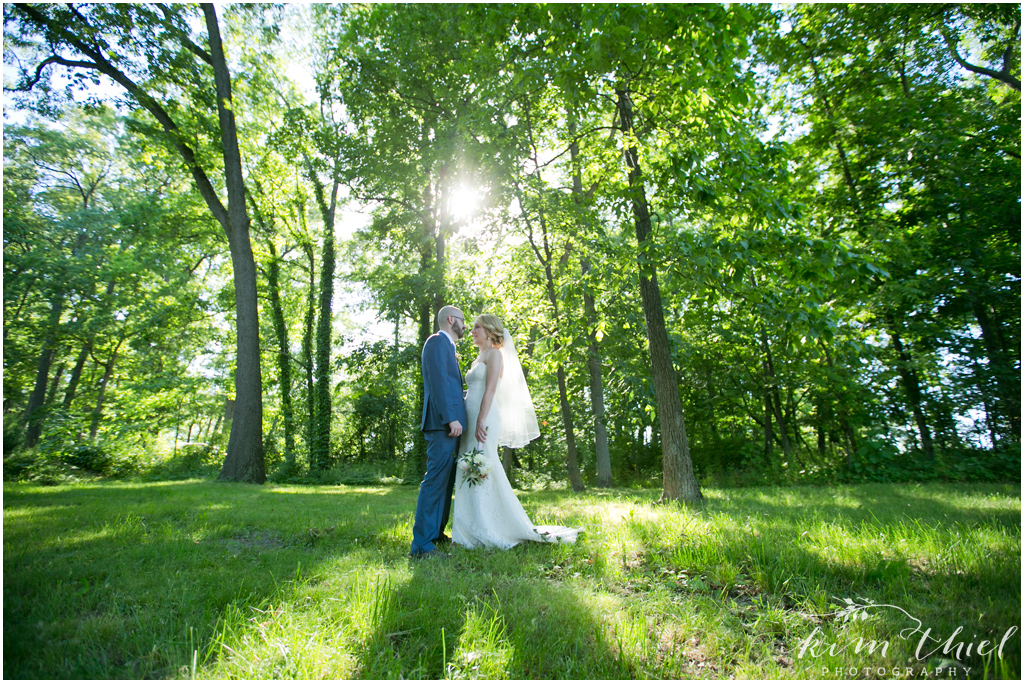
(493, 327)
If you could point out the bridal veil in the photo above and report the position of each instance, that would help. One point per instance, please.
(518, 417)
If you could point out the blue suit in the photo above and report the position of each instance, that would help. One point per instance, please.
(442, 403)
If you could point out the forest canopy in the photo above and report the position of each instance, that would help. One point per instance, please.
(733, 243)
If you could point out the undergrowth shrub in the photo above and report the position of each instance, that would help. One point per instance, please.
(981, 466)
(14, 434)
(39, 467)
(191, 461)
(89, 457)
(356, 474)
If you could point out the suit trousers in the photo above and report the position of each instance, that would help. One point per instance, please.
(433, 506)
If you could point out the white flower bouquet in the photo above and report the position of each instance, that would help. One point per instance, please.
(473, 467)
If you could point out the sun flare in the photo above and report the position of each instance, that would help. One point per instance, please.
(464, 203)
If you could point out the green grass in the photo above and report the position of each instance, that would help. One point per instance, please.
(208, 580)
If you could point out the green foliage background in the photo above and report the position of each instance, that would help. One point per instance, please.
(835, 193)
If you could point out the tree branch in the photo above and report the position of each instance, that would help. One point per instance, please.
(52, 59)
(101, 64)
(1003, 75)
(182, 36)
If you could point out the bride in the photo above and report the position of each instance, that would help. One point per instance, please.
(500, 412)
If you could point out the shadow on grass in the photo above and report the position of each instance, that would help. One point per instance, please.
(861, 546)
(128, 580)
(465, 618)
(885, 504)
(107, 581)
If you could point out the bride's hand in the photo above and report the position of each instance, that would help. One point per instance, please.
(481, 431)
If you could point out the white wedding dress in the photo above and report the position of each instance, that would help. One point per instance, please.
(488, 514)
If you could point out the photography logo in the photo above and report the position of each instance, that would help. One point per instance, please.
(954, 649)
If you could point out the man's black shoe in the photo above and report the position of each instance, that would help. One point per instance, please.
(442, 540)
(434, 554)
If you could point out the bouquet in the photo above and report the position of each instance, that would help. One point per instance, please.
(473, 466)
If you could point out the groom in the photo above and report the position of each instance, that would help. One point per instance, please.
(444, 414)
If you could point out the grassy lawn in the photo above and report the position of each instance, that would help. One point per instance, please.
(208, 580)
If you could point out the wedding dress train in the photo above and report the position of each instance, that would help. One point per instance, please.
(488, 514)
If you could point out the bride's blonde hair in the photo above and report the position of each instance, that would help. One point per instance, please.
(493, 327)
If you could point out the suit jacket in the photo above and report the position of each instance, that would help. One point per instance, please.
(442, 385)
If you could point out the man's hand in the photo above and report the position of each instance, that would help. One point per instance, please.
(454, 428)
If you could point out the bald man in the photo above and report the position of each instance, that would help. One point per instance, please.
(444, 415)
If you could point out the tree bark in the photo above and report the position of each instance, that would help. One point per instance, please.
(904, 365)
(244, 460)
(284, 361)
(34, 411)
(1006, 378)
(418, 466)
(508, 457)
(307, 355)
(320, 450)
(771, 383)
(572, 456)
(678, 481)
(108, 371)
(602, 456)
(57, 374)
(322, 434)
(76, 375)
(1003, 75)
(844, 419)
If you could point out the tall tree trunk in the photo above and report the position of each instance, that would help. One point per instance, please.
(57, 374)
(244, 460)
(418, 465)
(991, 414)
(679, 481)
(601, 452)
(508, 458)
(439, 257)
(108, 371)
(284, 361)
(904, 365)
(307, 355)
(772, 385)
(571, 455)
(34, 412)
(216, 426)
(76, 374)
(1006, 377)
(820, 432)
(604, 463)
(322, 434)
(432, 247)
(14, 317)
(321, 447)
(844, 418)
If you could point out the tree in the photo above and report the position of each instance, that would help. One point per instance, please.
(649, 62)
(918, 150)
(144, 62)
(101, 222)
